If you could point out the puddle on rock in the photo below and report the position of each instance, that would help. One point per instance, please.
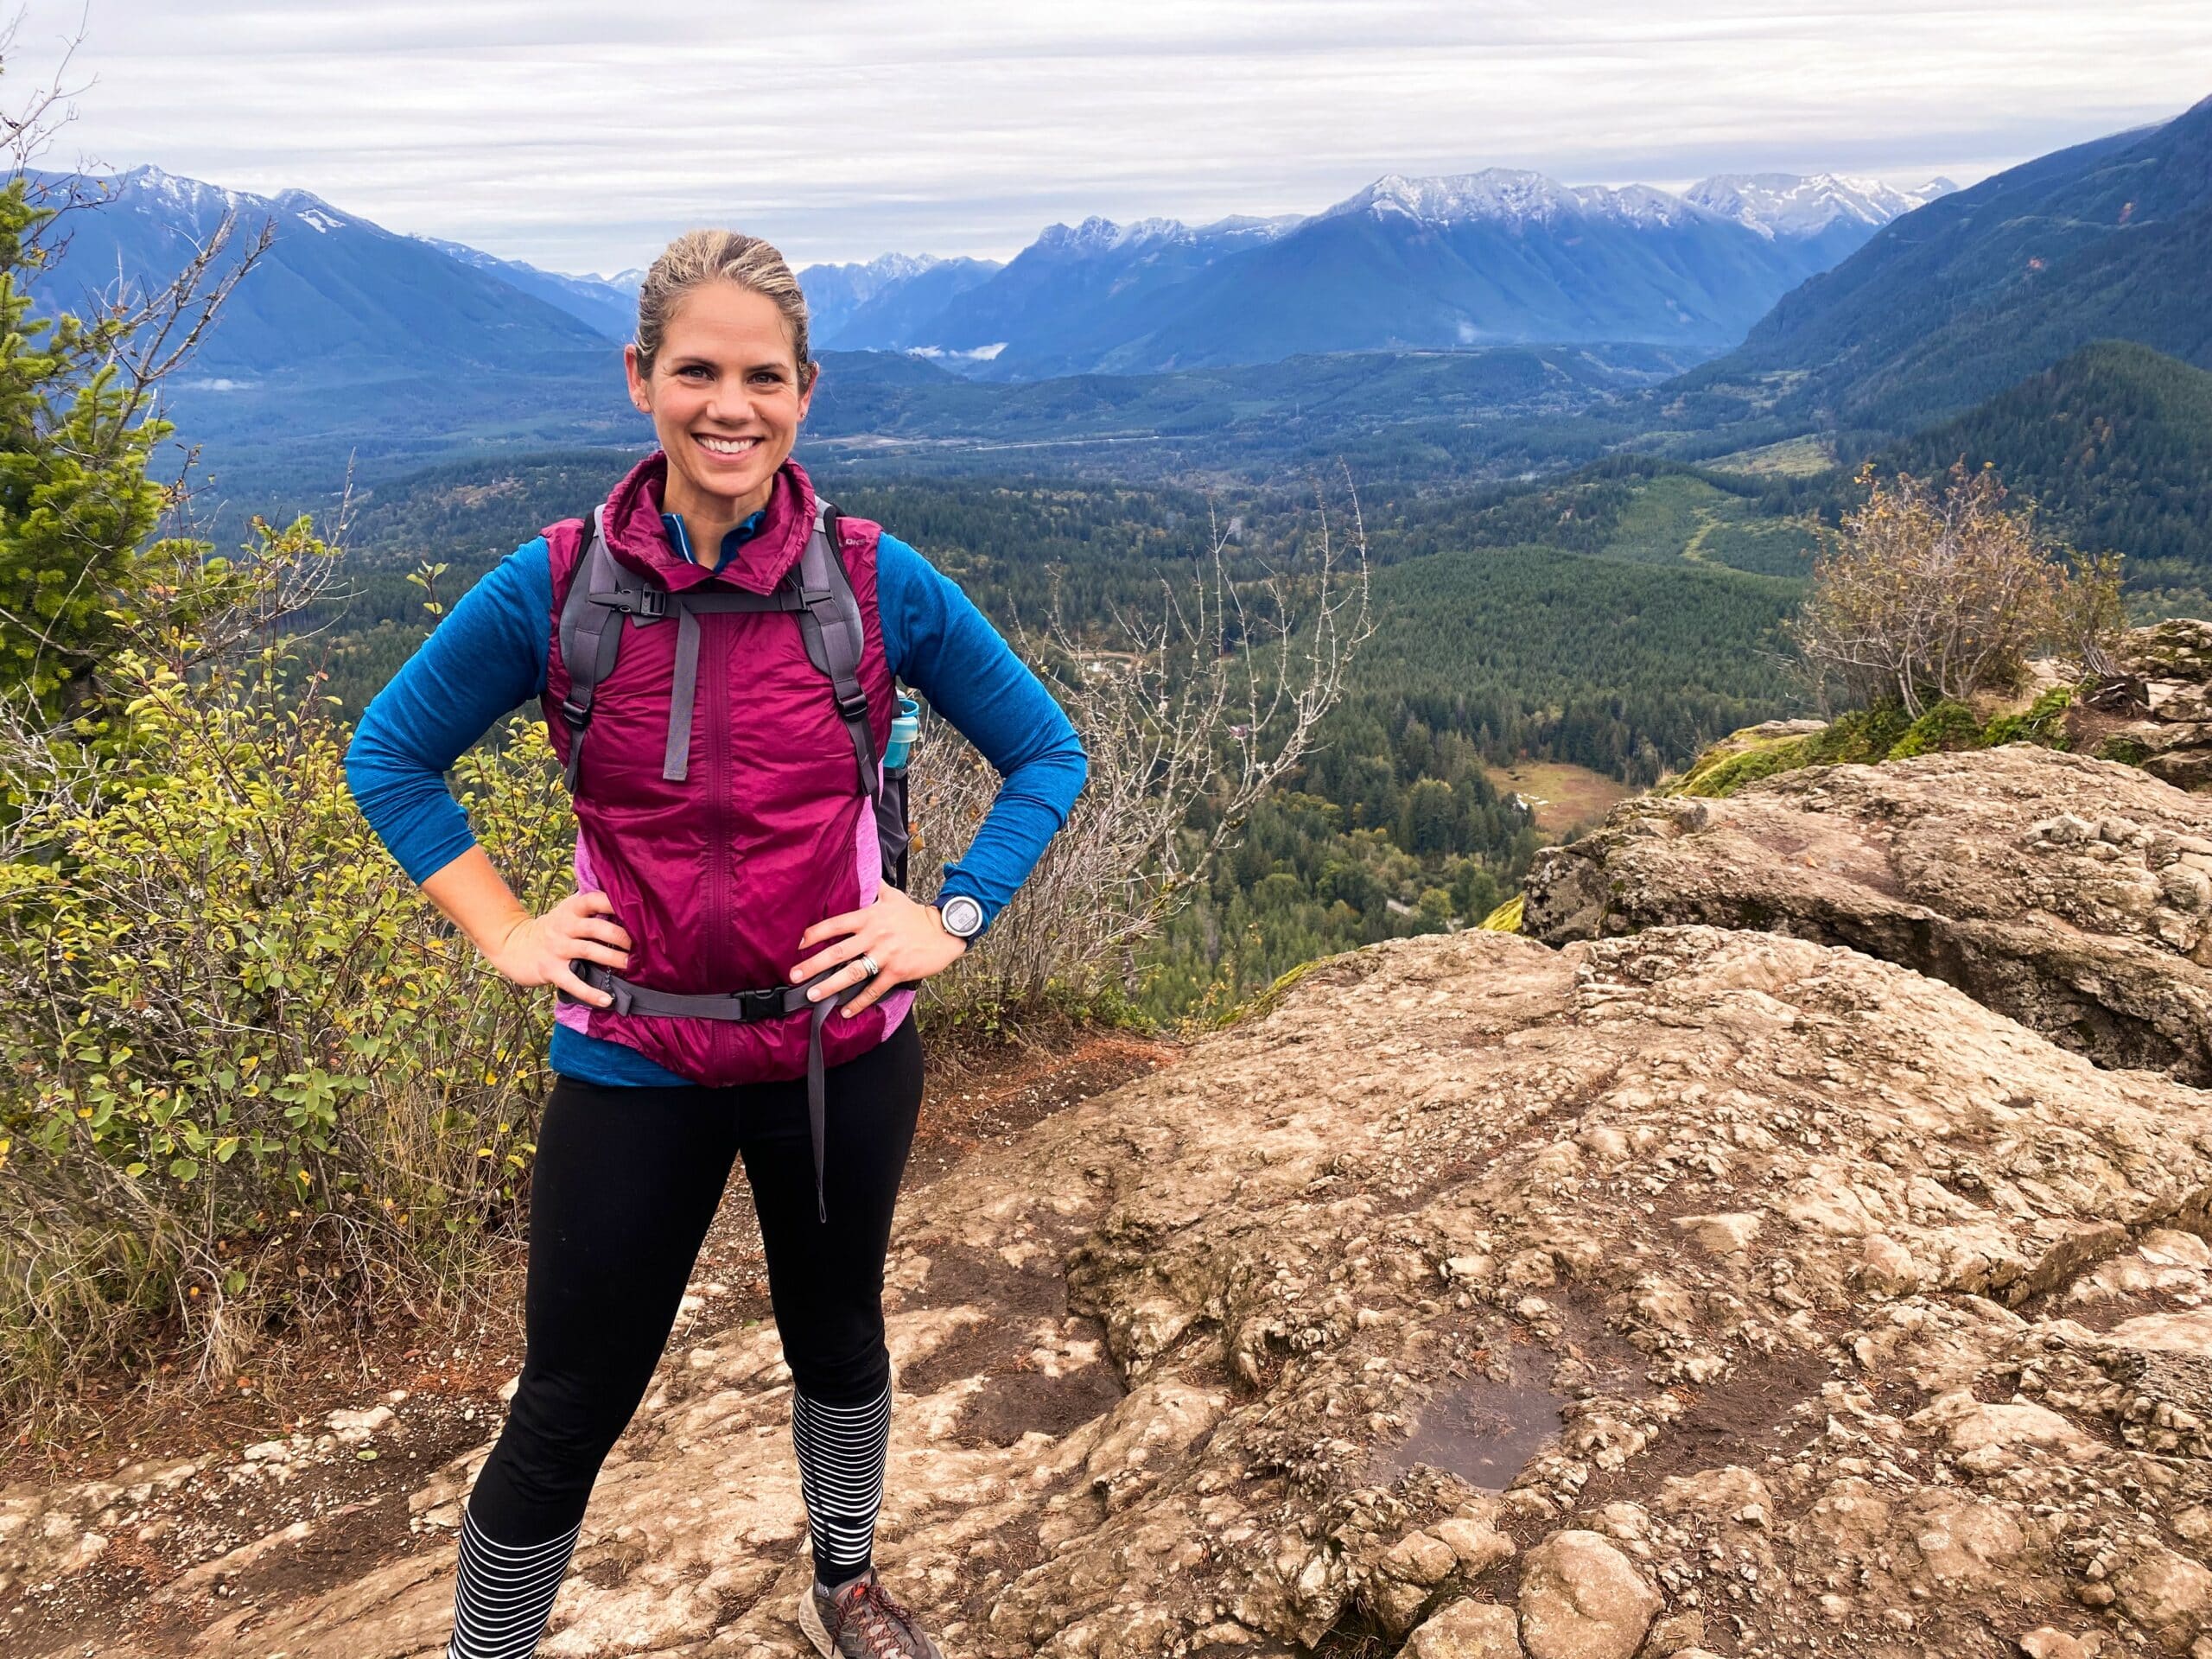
(1485, 1432)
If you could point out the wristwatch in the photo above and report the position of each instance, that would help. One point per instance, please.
(963, 916)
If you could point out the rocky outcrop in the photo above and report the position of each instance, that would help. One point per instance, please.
(2164, 686)
(2072, 894)
(1693, 1292)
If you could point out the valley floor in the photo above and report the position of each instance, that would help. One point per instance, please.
(1564, 796)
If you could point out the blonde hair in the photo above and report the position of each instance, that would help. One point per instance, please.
(699, 256)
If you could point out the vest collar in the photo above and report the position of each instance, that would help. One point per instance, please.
(637, 537)
(740, 533)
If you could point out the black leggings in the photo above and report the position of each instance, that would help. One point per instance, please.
(627, 1183)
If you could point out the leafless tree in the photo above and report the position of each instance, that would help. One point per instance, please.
(1189, 713)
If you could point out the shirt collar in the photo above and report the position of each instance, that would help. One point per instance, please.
(680, 539)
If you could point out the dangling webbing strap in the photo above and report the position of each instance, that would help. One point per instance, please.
(682, 693)
(828, 625)
(745, 1007)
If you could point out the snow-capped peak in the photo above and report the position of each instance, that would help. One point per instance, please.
(1096, 235)
(1249, 228)
(1511, 195)
(1497, 192)
(312, 211)
(862, 282)
(171, 194)
(1640, 205)
(182, 194)
(1789, 206)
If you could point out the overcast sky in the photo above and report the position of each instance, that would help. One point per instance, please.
(579, 135)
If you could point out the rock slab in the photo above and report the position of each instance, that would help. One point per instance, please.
(2072, 894)
(1430, 1200)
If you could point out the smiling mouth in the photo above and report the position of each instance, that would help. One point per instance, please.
(725, 446)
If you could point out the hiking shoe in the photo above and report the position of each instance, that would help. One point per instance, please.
(860, 1620)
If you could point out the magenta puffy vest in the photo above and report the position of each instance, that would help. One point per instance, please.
(715, 876)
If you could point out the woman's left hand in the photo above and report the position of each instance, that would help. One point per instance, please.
(907, 940)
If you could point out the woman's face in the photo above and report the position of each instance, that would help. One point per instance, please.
(725, 398)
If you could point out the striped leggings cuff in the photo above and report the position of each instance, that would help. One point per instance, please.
(841, 1455)
(506, 1592)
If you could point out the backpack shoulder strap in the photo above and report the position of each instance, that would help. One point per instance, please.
(602, 591)
(829, 624)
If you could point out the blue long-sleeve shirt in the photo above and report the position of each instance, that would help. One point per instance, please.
(489, 654)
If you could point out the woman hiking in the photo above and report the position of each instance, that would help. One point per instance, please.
(730, 647)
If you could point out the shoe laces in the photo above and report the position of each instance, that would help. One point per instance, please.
(877, 1617)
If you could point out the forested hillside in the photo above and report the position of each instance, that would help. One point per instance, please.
(1634, 507)
(1951, 304)
(2114, 443)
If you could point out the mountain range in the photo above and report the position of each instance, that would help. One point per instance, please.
(1487, 258)
(350, 339)
(2110, 240)
(1481, 259)
(335, 296)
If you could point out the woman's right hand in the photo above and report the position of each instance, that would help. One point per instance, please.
(537, 950)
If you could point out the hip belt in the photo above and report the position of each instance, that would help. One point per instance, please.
(744, 1008)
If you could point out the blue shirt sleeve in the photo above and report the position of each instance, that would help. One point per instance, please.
(942, 647)
(484, 658)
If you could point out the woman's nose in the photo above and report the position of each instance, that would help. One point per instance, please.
(728, 402)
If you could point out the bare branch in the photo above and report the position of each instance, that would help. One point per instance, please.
(1212, 699)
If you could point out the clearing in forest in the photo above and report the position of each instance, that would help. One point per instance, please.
(1564, 795)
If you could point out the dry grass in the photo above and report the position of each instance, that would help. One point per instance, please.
(1568, 796)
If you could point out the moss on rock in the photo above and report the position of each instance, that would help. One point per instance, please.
(1944, 727)
(1865, 736)
(1506, 919)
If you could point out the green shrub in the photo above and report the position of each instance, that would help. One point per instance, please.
(238, 1048)
(2042, 721)
(1860, 737)
(2128, 750)
(1947, 725)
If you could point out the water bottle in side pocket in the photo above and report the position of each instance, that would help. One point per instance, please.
(891, 828)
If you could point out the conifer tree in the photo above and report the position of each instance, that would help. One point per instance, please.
(81, 432)
(76, 503)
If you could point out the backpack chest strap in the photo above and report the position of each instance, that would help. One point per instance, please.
(604, 590)
(683, 688)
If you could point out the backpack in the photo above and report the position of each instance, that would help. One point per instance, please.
(818, 594)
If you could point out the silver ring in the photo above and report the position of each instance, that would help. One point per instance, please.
(869, 966)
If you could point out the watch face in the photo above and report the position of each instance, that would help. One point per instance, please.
(963, 917)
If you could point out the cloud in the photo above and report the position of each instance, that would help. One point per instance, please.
(580, 135)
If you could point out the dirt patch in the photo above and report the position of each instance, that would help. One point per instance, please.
(1028, 1402)
(1026, 1304)
(993, 1096)
(1740, 1419)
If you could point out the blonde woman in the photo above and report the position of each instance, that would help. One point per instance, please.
(730, 649)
